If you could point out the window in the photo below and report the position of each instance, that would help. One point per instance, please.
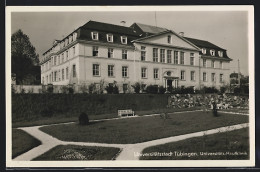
(55, 76)
(47, 79)
(220, 65)
(109, 38)
(182, 58)
(62, 74)
(162, 55)
(192, 75)
(169, 56)
(124, 71)
(94, 35)
(203, 50)
(175, 57)
(96, 70)
(213, 64)
(220, 53)
(144, 72)
(123, 39)
(192, 59)
(156, 73)
(62, 57)
(52, 77)
(74, 71)
(143, 53)
(110, 70)
(220, 77)
(67, 55)
(204, 76)
(213, 77)
(67, 73)
(74, 50)
(155, 54)
(212, 52)
(182, 75)
(124, 54)
(42, 80)
(95, 51)
(169, 39)
(110, 53)
(204, 63)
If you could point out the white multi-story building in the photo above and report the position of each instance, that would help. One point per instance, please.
(100, 52)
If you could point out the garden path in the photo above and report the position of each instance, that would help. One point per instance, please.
(128, 151)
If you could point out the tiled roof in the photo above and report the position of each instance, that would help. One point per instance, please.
(149, 29)
(103, 29)
(109, 28)
(203, 43)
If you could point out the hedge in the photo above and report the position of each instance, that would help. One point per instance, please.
(29, 106)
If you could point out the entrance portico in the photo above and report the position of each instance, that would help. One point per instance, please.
(170, 80)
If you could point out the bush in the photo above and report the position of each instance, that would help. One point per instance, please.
(162, 90)
(109, 89)
(83, 119)
(64, 89)
(152, 89)
(83, 88)
(115, 89)
(137, 87)
(210, 90)
(50, 88)
(91, 88)
(71, 90)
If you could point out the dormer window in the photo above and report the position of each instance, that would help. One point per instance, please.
(220, 53)
(109, 38)
(212, 52)
(169, 39)
(94, 35)
(203, 50)
(123, 39)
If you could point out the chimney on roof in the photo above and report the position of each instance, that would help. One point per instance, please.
(123, 23)
(181, 34)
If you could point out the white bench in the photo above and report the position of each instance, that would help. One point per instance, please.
(127, 112)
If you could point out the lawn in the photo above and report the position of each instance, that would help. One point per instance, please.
(22, 142)
(73, 152)
(74, 117)
(141, 129)
(235, 142)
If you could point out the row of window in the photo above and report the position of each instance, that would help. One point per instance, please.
(110, 52)
(56, 60)
(213, 77)
(110, 37)
(111, 68)
(168, 58)
(212, 64)
(212, 52)
(59, 75)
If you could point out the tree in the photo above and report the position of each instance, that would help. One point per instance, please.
(23, 55)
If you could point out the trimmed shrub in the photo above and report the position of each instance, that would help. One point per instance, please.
(115, 90)
(137, 87)
(83, 119)
(50, 88)
(152, 89)
(71, 90)
(109, 89)
(162, 90)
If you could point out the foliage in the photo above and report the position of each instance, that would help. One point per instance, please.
(83, 119)
(83, 88)
(50, 88)
(210, 89)
(91, 88)
(71, 90)
(109, 89)
(115, 89)
(137, 87)
(153, 89)
(23, 55)
(64, 89)
(162, 90)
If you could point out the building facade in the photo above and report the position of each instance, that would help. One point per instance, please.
(98, 53)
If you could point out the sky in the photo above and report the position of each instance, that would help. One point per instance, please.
(226, 29)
